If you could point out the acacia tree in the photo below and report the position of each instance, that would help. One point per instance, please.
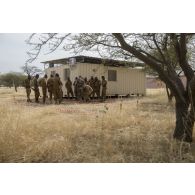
(31, 70)
(151, 48)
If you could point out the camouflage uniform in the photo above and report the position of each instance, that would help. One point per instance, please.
(57, 90)
(97, 85)
(104, 87)
(36, 90)
(87, 90)
(80, 84)
(86, 81)
(50, 83)
(91, 84)
(75, 87)
(69, 88)
(43, 84)
(28, 89)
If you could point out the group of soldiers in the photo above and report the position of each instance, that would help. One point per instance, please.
(83, 89)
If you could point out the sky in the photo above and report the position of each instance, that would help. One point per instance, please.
(13, 52)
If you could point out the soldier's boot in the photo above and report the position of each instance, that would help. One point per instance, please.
(50, 97)
(37, 100)
(44, 99)
(29, 100)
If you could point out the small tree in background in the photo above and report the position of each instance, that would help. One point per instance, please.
(12, 80)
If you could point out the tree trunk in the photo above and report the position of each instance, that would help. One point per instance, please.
(169, 94)
(184, 122)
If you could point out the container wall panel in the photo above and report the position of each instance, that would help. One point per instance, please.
(129, 80)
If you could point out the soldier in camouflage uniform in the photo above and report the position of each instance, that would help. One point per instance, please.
(91, 84)
(97, 85)
(80, 84)
(50, 87)
(27, 85)
(69, 87)
(87, 90)
(57, 89)
(104, 87)
(86, 81)
(75, 87)
(36, 88)
(43, 84)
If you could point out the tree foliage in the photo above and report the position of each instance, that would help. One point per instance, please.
(12, 79)
(31, 70)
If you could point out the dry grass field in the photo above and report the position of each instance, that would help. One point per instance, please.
(119, 130)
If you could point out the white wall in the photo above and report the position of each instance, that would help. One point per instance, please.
(129, 81)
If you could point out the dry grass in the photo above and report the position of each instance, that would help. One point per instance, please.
(128, 130)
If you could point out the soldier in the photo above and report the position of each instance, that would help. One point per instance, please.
(50, 87)
(43, 84)
(75, 87)
(36, 88)
(61, 93)
(91, 84)
(57, 89)
(97, 85)
(87, 90)
(69, 87)
(80, 84)
(104, 87)
(86, 81)
(28, 87)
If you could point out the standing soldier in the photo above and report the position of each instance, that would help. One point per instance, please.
(104, 87)
(50, 87)
(43, 84)
(75, 87)
(97, 85)
(36, 88)
(91, 84)
(69, 87)
(27, 87)
(57, 89)
(61, 92)
(86, 81)
(80, 84)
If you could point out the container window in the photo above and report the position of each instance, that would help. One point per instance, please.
(51, 65)
(112, 75)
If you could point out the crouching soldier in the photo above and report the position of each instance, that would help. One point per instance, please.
(87, 91)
